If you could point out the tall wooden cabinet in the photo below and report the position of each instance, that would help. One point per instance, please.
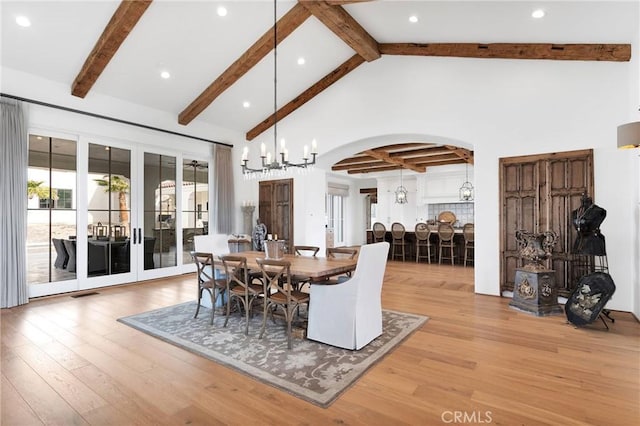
(538, 193)
(275, 208)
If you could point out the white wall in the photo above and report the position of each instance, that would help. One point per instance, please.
(499, 108)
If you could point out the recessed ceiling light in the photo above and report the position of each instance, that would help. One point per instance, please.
(23, 21)
(165, 74)
(301, 60)
(246, 104)
(413, 19)
(222, 11)
(538, 13)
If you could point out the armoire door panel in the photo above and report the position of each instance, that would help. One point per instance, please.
(538, 193)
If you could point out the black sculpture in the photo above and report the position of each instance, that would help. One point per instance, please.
(587, 219)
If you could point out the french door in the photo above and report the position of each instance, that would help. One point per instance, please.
(103, 212)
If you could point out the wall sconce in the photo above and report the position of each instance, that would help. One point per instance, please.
(629, 135)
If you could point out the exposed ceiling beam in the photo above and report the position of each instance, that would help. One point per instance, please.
(355, 160)
(441, 163)
(384, 156)
(373, 170)
(307, 95)
(403, 146)
(574, 52)
(368, 190)
(344, 26)
(285, 26)
(378, 163)
(120, 25)
(423, 151)
(426, 159)
(463, 153)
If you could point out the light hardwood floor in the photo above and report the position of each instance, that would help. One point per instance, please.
(68, 361)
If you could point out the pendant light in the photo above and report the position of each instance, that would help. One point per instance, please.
(401, 192)
(466, 190)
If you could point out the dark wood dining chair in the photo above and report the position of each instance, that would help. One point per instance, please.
(298, 281)
(216, 287)
(240, 287)
(279, 292)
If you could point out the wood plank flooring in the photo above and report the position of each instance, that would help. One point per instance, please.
(67, 361)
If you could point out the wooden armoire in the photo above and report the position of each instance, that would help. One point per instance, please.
(538, 193)
(275, 209)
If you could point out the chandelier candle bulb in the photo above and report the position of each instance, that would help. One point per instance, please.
(305, 153)
(282, 145)
(314, 147)
(263, 150)
(286, 155)
(245, 153)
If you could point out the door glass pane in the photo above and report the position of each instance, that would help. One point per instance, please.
(160, 248)
(51, 209)
(109, 210)
(195, 203)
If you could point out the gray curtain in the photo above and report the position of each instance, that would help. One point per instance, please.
(13, 204)
(223, 190)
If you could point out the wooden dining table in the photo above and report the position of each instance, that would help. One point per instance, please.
(314, 267)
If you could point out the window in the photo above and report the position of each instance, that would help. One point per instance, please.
(65, 199)
(51, 219)
(335, 216)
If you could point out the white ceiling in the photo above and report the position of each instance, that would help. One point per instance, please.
(195, 45)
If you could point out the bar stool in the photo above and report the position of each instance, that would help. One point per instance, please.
(397, 235)
(445, 235)
(423, 239)
(468, 231)
(378, 230)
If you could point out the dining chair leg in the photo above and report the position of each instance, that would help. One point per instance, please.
(440, 256)
(451, 248)
(213, 306)
(200, 290)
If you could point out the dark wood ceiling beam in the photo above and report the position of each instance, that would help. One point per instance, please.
(326, 81)
(463, 153)
(359, 165)
(426, 159)
(122, 22)
(355, 160)
(569, 52)
(368, 190)
(442, 163)
(402, 146)
(416, 152)
(373, 169)
(344, 26)
(384, 156)
(286, 25)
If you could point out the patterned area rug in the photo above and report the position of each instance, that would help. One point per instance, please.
(312, 371)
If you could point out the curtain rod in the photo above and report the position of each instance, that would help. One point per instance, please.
(117, 120)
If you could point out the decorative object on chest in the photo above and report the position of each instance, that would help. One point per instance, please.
(535, 290)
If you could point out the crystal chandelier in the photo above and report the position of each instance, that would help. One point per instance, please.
(271, 165)
(401, 192)
(466, 190)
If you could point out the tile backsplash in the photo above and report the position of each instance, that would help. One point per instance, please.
(463, 211)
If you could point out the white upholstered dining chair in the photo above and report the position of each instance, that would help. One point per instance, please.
(349, 314)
